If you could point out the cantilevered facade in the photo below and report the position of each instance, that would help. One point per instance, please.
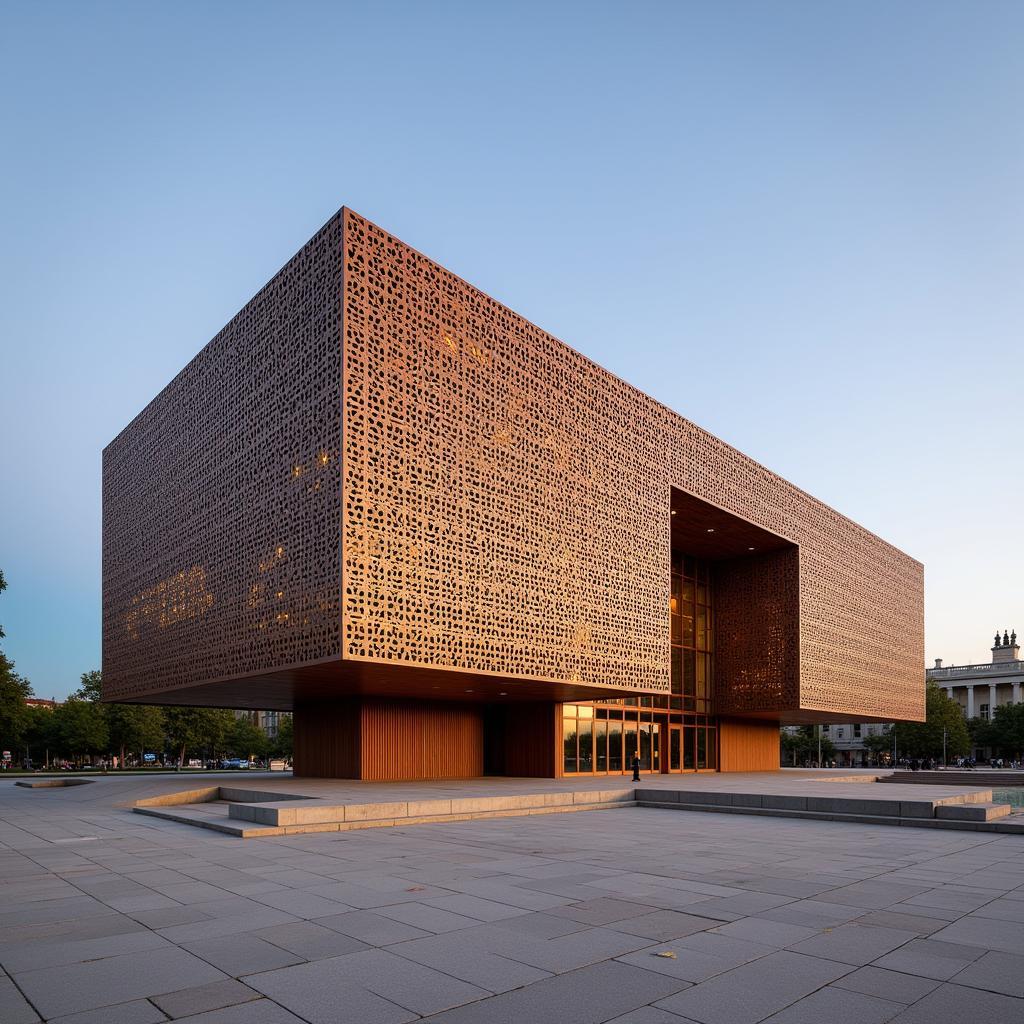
(454, 545)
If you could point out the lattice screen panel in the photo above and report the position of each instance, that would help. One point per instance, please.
(505, 508)
(458, 490)
(221, 519)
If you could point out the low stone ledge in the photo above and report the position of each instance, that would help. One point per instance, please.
(783, 802)
(427, 807)
(973, 812)
(257, 796)
(182, 796)
(370, 812)
(915, 808)
(286, 814)
(604, 796)
(662, 795)
(848, 805)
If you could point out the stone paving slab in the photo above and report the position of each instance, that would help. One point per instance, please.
(58, 991)
(837, 1006)
(955, 1004)
(138, 1011)
(115, 917)
(202, 998)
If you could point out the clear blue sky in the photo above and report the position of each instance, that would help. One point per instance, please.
(799, 224)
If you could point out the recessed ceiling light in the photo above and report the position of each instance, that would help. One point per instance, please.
(469, 691)
(673, 512)
(751, 549)
(711, 529)
(503, 694)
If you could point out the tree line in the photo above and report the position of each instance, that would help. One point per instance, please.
(84, 729)
(944, 730)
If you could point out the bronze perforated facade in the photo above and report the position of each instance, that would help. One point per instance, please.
(221, 518)
(376, 480)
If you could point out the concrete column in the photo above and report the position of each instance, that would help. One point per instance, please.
(970, 701)
(992, 698)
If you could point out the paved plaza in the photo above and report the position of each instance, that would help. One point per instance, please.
(634, 915)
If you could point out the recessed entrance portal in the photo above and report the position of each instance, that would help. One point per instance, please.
(726, 580)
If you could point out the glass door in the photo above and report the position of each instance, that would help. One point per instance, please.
(675, 743)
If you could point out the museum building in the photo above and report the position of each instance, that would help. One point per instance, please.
(454, 546)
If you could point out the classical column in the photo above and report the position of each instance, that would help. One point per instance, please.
(992, 698)
(1016, 693)
(949, 692)
(970, 701)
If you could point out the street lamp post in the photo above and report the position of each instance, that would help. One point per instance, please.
(943, 748)
(894, 745)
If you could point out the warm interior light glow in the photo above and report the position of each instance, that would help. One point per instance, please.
(173, 600)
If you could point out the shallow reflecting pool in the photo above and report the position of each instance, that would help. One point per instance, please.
(1014, 796)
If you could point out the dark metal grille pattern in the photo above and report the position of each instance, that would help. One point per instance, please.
(757, 611)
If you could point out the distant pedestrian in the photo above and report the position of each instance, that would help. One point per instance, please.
(636, 768)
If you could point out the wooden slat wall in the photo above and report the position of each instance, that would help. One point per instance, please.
(530, 740)
(327, 735)
(388, 740)
(421, 740)
(748, 745)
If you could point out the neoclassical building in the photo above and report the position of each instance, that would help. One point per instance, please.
(980, 689)
(453, 545)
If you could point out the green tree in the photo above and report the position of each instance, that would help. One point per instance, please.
(1004, 733)
(802, 746)
(197, 729)
(217, 724)
(284, 741)
(247, 739)
(82, 727)
(879, 744)
(183, 728)
(14, 713)
(14, 690)
(42, 738)
(924, 739)
(136, 728)
(91, 687)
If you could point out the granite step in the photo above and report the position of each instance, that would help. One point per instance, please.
(973, 812)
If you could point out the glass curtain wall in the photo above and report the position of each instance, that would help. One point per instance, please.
(673, 733)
